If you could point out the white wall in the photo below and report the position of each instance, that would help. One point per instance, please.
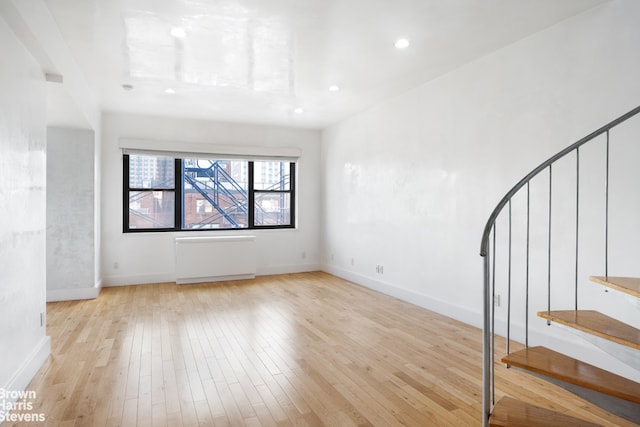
(149, 257)
(70, 214)
(409, 183)
(23, 343)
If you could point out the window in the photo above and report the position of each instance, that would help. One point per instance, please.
(169, 194)
(272, 193)
(215, 194)
(151, 193)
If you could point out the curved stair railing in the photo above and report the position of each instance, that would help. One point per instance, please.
(488, 247)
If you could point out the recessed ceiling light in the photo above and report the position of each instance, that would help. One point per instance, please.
(178, 32)
(402, 44)
(170, 90)
(334, 88)
(298, 110)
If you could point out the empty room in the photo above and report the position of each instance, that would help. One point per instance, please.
(319, 213)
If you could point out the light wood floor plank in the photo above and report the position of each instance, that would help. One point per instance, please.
(291, 350)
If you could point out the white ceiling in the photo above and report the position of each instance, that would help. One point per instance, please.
(258, 60)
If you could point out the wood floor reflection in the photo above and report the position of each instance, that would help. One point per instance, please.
(291, 350)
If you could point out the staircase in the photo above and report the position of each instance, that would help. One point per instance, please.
(532, 271)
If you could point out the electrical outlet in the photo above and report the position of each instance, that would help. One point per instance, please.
(41, 319)
(496, 300)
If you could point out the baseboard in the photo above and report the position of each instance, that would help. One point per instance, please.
(30, 367)
(187, 281)
(72, 294)
(287, 269)
(446, 308)
(110, 281)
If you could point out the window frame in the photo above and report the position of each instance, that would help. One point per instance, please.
(292, 197)
(179, 201)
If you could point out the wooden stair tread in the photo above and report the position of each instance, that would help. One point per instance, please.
(552, 364)
(597, 324)
(628, 285)
(512, 412)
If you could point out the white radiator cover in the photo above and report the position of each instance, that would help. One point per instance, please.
(215, 258)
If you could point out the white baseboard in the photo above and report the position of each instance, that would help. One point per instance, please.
(110, 281)
(436, 305)
(188, 281)
(30, 367)
(72, 294)
(287, 269)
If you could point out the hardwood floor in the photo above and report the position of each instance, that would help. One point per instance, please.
(291, 350)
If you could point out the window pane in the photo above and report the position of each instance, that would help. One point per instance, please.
(273, 209)
(151, 172)
(215, 194)
(151, 209)
(270, 175)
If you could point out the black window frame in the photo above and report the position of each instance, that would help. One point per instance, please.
(292, 197)
(178, 198)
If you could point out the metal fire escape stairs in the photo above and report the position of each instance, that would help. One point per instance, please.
(220, 183)
(214, 187)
